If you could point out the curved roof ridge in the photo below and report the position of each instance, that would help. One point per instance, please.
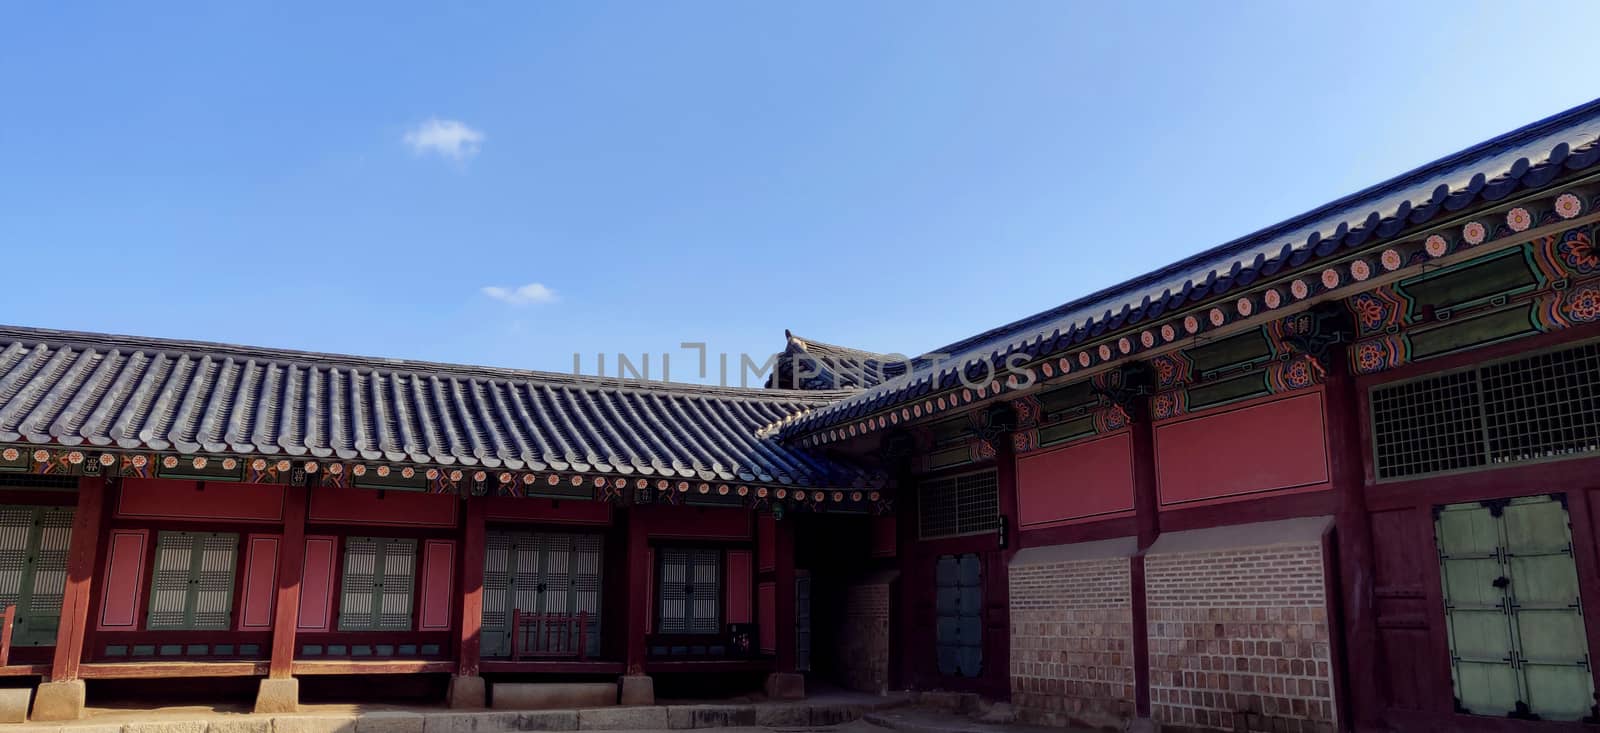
(195, 348)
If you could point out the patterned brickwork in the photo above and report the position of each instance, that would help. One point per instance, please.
(864, 657)
(1239, 640)
(1071, 643)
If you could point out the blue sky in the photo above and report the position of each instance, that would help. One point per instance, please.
(889, 175)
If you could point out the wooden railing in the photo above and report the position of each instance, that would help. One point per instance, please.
(9, 619)
(549, 635)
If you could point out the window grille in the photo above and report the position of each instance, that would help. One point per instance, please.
(33, 569)
(689, 594)
(538, 573)
(1530, 408)
(378, 584)
(192, 583)
(959, 505)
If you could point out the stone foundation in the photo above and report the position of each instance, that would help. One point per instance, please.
(59, 700)
(864, 637)
(281, 695)
(1239, 639)
(637, 689)
(1072, 639)
(466, 692)
(553, 695)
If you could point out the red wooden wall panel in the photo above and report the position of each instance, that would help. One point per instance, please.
(767, 606)
(693, 523)
(766, 548)
(1088, 479)
(316, 585)
(1264, 446)
(741, 574)
(167, 499)
(885, 541)
(260, 573)
(438, 562)
(650, 591)
(395, 508)
(119, 606)
(536, 509)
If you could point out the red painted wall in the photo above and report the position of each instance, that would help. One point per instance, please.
(167, 499)
(766, 550)
(119, 607)
(316, 586)
(368, 506)
(767, 627)
(1090, 479)
(694, 523)
(260, 573)
(741, 573)
(438, 560)
(885, 540)
(534, 509)
(1264, 446)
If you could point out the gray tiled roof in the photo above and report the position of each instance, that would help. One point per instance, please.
(1527, 158)
(814, 365)
(120, 392)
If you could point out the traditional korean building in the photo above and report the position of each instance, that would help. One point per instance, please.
(1334, 475)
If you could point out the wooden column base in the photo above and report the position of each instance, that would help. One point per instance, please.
(63, 700)
(467, 692)
(278, 695)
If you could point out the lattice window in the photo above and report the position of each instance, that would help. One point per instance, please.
(33, 569)
(379, 584)
(539, 573)
(1530, 408)
(959, 505)
(689, 592)
(192, 584)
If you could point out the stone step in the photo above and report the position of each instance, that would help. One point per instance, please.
(552, 695)
(614, 717)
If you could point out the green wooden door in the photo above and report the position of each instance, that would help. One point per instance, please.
(191, 586)
(538, 573)
(378, 585)
(1513, 610)
(33, 569)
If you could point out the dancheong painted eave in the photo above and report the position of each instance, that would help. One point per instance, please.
(194, 398)
(1529, 158)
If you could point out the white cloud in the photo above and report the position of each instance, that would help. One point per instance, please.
(447, 138)
(524, 295)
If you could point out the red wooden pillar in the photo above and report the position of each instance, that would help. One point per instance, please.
(473, 543)
(75, 598)
(997, 596)
(291, 567)
(638, 599)
(1356, 558)
(784, 595)
(902, 632)
(1147, 526)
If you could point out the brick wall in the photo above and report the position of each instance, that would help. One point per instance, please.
(1239, 640)
(864, 638)
(1071, 643)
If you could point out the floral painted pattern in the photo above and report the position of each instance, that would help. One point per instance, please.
(1577, 251)
(1568, 205)
(1474, 232)
(1583, 304)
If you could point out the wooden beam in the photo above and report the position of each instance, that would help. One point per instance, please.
(552, 667)
(75, 596)
(784, 577)
(1147, 526)
(470, 643)
(25, 670)
(1352, 674)
(291, 569)
(638, 600)
(387, 666)
(157, 670)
